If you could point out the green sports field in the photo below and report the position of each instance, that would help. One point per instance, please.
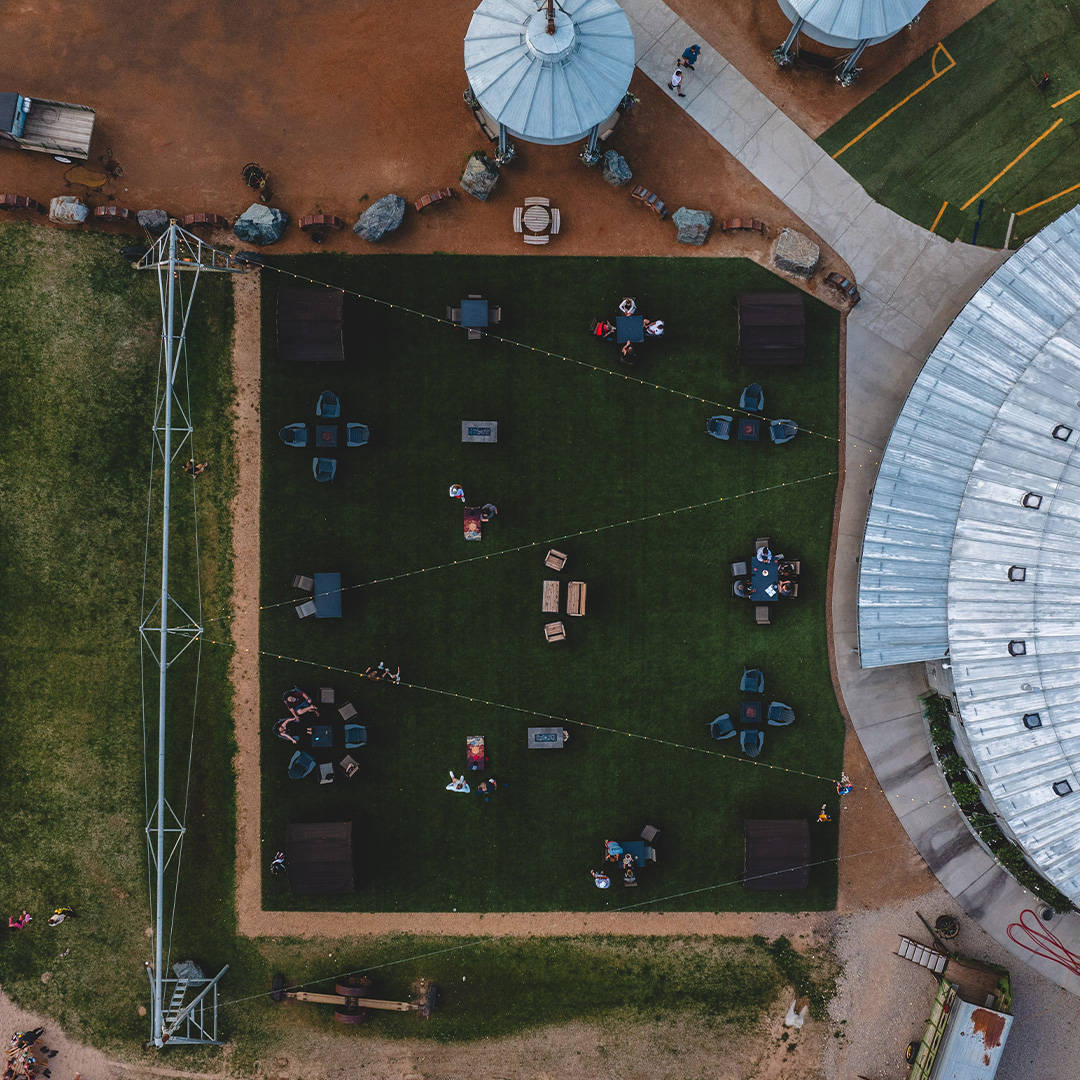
(617, 472)
(979, 135)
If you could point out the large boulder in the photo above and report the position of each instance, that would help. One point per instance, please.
(616, 171)
(155, 222)
(68, 210)
(261, 225)
(479, 177)
(693, 225)
(380, 218)
(797, 254)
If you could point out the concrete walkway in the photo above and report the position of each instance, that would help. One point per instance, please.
(913, 284)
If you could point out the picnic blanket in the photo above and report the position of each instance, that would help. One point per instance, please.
(472, 523)
(475, 758)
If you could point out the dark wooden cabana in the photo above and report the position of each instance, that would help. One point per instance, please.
(320, 858)
(772, 328)
(777, 854)
(309, 325)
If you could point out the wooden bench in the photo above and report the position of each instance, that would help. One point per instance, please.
(555, 631)
(214, 220)
(844, 285)
(117, 213)
(551, 596)
(555, 559)
(753, 224)
(644, 195)
(433, 197)
(321, 221)
(21, 202)
(575, 598)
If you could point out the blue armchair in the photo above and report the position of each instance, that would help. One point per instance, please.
(301, 765)
(782, 431)
(722, 727)
(780, 715)
(324, 468)
(753, 398)
(751, 740)
(356, 434)
(329, 405)
(293, 434)
(719, 427)
(753, 681)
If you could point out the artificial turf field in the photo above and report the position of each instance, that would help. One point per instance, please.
(982, 118)
(591, 462)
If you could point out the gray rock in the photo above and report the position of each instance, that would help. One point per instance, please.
(693, 225)
(797, 254)
(155, 222)
(616, 171)
(261, 225)
(380, 218)
(68, 210)
(479, 177)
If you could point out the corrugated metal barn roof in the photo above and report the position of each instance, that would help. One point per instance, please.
(549, 88)
(973, 539)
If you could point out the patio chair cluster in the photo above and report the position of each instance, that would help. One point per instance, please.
(765, 578)
(327, 408)
(475, 314)
(629, 329)
(575, 597)
(537, 221)
(748, 728)
(626, 858)
(308, 721)
(748, 428)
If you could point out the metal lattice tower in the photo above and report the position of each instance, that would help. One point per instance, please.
(167, 630)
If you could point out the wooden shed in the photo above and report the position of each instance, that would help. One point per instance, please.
(772, 329)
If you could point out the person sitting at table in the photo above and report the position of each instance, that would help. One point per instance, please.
(628, 305)
(653, 326)
(786, 571)
(299, 703)
(628, 861)
(627, 353)
(612, 850)
(764, 554)
(283, 730)
(786, 588)
(604, 329)
(628, 876)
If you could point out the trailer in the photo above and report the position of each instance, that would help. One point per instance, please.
(52, 127)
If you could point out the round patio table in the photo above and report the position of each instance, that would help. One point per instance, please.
(536, 219)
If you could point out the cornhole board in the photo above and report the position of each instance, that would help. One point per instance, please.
(475, 757)
(473, 530)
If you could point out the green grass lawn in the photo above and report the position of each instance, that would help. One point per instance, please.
(591, 462)
(80, 334)
(956, 135)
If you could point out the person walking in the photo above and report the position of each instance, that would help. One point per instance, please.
(676, 82)
(689, 57)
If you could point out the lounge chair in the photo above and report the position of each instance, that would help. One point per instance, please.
(722, 727)
(301, 764)
(753, 681)
(780, 715)
(738, 569)
(293, 434)
(752, 398)
(356, 434)
(303, 582)
(751, 741)
(305, 609)
(782, 431)
(326, 772)
(719, 427)
(355, 735)
(329, 405)
(323, 468)
(761, 614)
(649, 834)
(347, 711)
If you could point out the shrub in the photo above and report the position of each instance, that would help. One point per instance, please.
(953, 767)
(936, 708)
(1011, 857)
(966, 794)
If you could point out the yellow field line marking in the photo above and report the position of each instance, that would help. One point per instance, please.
(1064, 99)
(937, 75)
(1055, 124)
(939, 213)
(1035, 206)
